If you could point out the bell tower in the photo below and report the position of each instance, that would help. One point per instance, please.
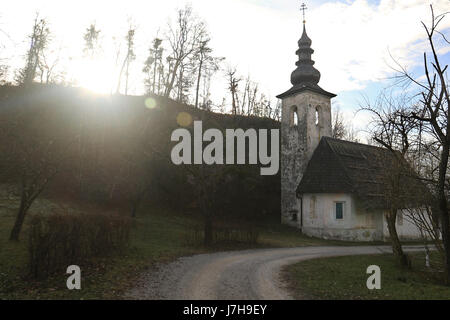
(305, 118)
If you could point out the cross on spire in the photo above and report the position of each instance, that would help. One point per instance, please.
(303, 8)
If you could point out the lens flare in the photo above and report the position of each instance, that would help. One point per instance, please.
(150, 103)
(184, 119)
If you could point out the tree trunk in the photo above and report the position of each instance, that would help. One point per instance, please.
(442, 199)
(172, 76)
(15, 232)
(159, 81)
(126, 77)
(180, 85)
(233, 102)
(198, 82)
(154, 72)
(120, 74)
(395, 241)
(446, 241)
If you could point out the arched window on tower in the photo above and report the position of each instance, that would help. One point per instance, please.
(294, 116)
(316, 121)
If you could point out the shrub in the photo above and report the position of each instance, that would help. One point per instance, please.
(225, 235)
(59, 240)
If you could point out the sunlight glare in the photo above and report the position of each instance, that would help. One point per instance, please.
(150, 103)
(95, 75)
(184, 119)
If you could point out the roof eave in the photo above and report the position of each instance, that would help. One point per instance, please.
(303, 87)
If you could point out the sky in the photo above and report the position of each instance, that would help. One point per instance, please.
(355, 41)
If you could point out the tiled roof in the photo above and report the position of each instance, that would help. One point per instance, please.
(377, 176)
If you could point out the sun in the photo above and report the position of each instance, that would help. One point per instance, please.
(95, 75)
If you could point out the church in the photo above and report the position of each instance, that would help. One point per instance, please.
(330, 188)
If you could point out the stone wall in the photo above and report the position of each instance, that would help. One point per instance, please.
(298, 143)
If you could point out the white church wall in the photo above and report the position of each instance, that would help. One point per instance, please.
(406, 229)
(319, 218)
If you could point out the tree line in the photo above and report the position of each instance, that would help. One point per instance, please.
(181, 64)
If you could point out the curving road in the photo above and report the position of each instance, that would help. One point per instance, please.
(236, 275)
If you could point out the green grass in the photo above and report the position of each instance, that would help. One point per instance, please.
(157, 236)
(345, 278)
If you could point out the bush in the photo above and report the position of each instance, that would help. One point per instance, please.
(59, 240)
(225, 235)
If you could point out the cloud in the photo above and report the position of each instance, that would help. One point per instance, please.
(352, 39)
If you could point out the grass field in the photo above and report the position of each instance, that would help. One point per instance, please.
(157, 236)
(345, 278)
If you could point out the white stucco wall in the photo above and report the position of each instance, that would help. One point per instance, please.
(319, 220)
(406, 229)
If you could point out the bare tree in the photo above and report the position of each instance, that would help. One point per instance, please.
(152, 66)
(206, 103)
(48, 64)
(4, 68)
(233, 82)
(428, 225)
(91, 41)
(249, 100)
(183, 37)
(39, 39)
(33, 153)
(342, 128)
(277, 111)
(185, 80)
(203, 53)
(392, 130)
(420, 129)
(3, 73)
(338, 125)
(431, 111)
(130, 56)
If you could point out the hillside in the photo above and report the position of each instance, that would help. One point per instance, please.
(115, 150)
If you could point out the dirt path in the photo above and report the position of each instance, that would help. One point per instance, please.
(238, 275)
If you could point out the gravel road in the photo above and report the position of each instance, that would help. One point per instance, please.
(235, 275)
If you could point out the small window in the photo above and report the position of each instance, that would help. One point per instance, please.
(317, 117)
(293, 214)
(339, 210)
(294, 116)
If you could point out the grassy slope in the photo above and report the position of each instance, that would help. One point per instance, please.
(157, 236)
(345, 278)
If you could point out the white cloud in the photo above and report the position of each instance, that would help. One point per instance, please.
(355, 39)
(352, 40)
